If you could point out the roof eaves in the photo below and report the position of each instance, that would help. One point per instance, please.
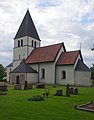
(58, 52)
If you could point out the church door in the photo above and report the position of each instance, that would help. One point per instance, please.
(17, 79)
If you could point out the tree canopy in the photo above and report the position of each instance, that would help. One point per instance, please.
(92, 72)
(2, 72)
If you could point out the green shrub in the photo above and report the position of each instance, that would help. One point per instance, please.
(92, 82)
(36, 98)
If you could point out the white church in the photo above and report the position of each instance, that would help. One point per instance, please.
(48, 64)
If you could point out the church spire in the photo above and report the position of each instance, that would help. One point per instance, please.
(27, 28)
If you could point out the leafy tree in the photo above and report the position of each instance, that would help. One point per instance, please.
(2, 72)
(92, 74)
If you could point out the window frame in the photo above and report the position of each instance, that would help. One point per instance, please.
(63, 74)
(18, 43)
(21, 42)
(32, 43)
(43, 73)
(35, 44)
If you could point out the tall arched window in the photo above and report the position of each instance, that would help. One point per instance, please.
(21, 42)
(63, 74)
(43, 73)
(32, 43)
(35, 44)
(17, 79)
(18, 43)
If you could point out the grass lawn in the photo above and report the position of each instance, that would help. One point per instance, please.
(15, 106)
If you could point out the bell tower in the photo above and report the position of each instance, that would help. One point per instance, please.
(25, 40)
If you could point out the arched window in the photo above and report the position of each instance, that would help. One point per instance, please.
(18, 43)
(63, 74)
(43, 73)
(17, 79)
(32, 43)
(21, 42)
(35, 44)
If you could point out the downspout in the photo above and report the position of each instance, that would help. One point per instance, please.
(74, 78)
(38, 72)
(55, 75)
(26, 76)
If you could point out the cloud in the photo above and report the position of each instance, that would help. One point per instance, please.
(68, 21)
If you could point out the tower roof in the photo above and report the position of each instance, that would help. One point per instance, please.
(27, 28)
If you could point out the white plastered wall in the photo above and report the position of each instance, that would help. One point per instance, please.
(22, 52)
(49, 73)
(34, 66)
(13, 78)
(69, 69)
(82, 78)
(32, 77)
(8, 70)
(29, 77)
(16, 63)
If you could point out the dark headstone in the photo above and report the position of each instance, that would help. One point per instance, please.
(40, 85)
(29, 86)
(54, 85)
(3, 87)
(75, 91)
(25, 85)
(17, 87)
(58, 93)
(67, 90)
(71, 90)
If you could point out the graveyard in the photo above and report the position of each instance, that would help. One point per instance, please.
(56, 106)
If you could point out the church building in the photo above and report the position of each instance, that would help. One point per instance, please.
(51, 64)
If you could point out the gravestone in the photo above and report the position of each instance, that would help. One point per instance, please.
(71, 90)
(25, 85)
(29, 86)
(54, 85)
(67, 90)
(58, 93)
(75, 91)
(17, 87)
(40, 85)
(3, 87)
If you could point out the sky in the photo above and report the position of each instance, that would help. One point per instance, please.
(68, 21)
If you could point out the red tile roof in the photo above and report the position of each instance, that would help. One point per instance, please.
(67, 58)
(44, 54)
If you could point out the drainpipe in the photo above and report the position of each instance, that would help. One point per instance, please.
(26, 76)
(55, 75)
(38, 72)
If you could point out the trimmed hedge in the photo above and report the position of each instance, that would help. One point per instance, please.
(36, 98)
